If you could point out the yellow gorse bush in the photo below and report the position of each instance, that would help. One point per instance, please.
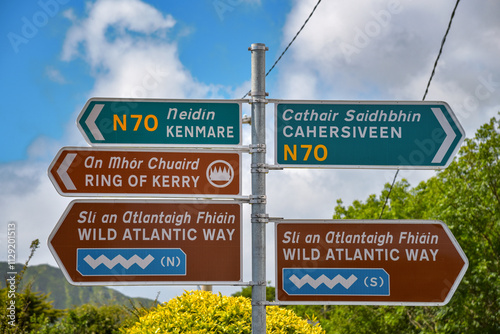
(205, 312)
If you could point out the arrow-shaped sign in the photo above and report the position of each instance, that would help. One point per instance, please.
(145, 242)
(105, 121)
(62, 171)
(81, 171)
(450, 135)
(380, 262)
(372, 134)
(91, 122)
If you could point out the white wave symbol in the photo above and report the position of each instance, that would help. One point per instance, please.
(315, 283)
(143, 263)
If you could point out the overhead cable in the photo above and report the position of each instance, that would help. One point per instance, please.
(291, 42)
(426, 90)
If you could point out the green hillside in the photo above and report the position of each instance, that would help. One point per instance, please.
(50, 280)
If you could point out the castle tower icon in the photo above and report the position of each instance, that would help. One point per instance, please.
(220, 173)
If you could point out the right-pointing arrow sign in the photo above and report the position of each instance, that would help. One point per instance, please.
(367, 262)
(450, 135)
(366, 134)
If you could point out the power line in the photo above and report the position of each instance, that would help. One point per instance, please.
(294, 37)
(440, 50)
(425, 94)
(389, 194)
(291, 42)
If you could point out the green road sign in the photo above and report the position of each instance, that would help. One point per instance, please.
(161, 122)
(369, 134)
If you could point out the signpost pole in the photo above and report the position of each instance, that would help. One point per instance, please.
(258, 197)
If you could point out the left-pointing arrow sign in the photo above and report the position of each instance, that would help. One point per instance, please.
(62, 171)
(90, 122)
(82, 171)
(111, 121)
(131, 242)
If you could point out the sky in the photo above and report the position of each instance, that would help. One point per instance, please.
(56, 54)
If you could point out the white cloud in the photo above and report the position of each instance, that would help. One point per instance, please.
(386, 49)
(132, 56)
(104, 31)
(28, 199)
(55, 75)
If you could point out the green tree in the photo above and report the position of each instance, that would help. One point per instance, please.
(247, 292)
(89, 319)
(24, 311)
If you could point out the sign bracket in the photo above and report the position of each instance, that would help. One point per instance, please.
(260, 218)
(257, 148)
(258, 199)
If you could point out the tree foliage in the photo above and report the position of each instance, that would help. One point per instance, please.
(62, 294)
(24, 311)
(466, 196)
(247, 292)
(89, 319)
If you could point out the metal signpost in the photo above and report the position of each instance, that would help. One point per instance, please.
(199, 242)
(381, 262)
(79, 171)
(368, 134)
(258, 198)
(107, 121)
(149, 242)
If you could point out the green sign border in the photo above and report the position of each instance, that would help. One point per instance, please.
(227, 114)
(376, 154)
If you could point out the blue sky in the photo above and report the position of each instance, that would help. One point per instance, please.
(56, 54)
(46, 89)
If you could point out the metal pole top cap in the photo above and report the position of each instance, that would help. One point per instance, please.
(258, 46)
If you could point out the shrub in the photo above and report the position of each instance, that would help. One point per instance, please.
(205, 312)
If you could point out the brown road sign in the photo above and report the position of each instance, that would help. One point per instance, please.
(379, 262)
(125, 242)
(78, 171)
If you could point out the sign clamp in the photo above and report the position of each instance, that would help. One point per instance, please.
(260, 218)
(258, 199)
(257, 148)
